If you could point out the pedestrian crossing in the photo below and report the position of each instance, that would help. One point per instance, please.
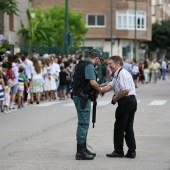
(102, 103)
(158, 102)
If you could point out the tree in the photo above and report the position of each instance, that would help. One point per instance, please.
(160, 37)
(37, 32)
(9, 7)
(54, 18)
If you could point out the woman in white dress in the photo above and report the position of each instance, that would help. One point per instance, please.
(36, 81)
(49, 74)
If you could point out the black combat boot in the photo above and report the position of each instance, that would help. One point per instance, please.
(88, 152)
(82, 154)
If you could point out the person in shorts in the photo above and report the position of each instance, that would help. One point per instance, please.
(63, 83)
(21, 81)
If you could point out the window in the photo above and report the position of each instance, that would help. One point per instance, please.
(96, 20)
(126, 20)
(11, 22)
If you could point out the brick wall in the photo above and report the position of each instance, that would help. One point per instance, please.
(100, 6)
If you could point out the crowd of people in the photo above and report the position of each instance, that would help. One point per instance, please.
(28, 79)
(147, 71)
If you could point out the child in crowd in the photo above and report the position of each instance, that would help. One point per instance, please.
(21, 81)
(7, 96)
(63, 83)
(1, 89)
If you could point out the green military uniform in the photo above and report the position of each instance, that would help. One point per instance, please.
(84, 114)
(82, 94)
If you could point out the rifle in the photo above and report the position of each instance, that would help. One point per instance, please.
(94, 107)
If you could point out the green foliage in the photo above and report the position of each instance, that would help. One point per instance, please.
(9, 7)
(51, 22)
(38, 32)
(160, 36)
(4, 46)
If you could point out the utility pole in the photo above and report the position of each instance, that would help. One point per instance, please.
(66, 29)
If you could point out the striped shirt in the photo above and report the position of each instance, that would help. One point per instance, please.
(21, 80)
(122, 81)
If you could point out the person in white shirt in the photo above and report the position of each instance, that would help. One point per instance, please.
(124, 94)
(57, 69)
(29, 63)
(36, 84)
(49, 75)
(14, 88)
(135, 72)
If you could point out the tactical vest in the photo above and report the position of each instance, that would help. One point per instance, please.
(80, 84)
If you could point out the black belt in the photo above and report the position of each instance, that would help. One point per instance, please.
(126, 97)
(130, 96)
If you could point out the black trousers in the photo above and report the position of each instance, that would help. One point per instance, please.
(123, 127)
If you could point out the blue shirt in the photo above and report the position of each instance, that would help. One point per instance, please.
(26, 71)
(127, 66)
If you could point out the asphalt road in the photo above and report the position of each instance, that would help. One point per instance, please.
(43, 137)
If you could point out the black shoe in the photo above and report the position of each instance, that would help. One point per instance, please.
(88, 152)
(11, 108)
(131, 154)
(82, 154)
(102, 94)
(31, 102)
(115, 154)
(37, 102)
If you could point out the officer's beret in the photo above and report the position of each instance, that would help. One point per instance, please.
(99, 53)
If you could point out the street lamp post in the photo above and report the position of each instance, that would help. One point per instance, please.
(135, 41)
(111, 26)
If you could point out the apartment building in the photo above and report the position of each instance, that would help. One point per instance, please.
(112, 21)
(160, 10)
(9, 25)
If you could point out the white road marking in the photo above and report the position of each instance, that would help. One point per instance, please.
(99, 103)
(103, 103)
(47, 104)
(69, 104)
(157, 102)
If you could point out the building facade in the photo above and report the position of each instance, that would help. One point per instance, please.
(115, 26)
(10, 25)
(160, 10)
(112, 21)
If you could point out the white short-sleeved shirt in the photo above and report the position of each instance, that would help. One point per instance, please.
(57, 68)
(122, 81)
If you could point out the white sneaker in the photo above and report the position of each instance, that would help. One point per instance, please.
(9, 111)
(5, 112)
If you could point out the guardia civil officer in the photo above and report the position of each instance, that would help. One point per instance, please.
(124, 94)
(83, 81)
